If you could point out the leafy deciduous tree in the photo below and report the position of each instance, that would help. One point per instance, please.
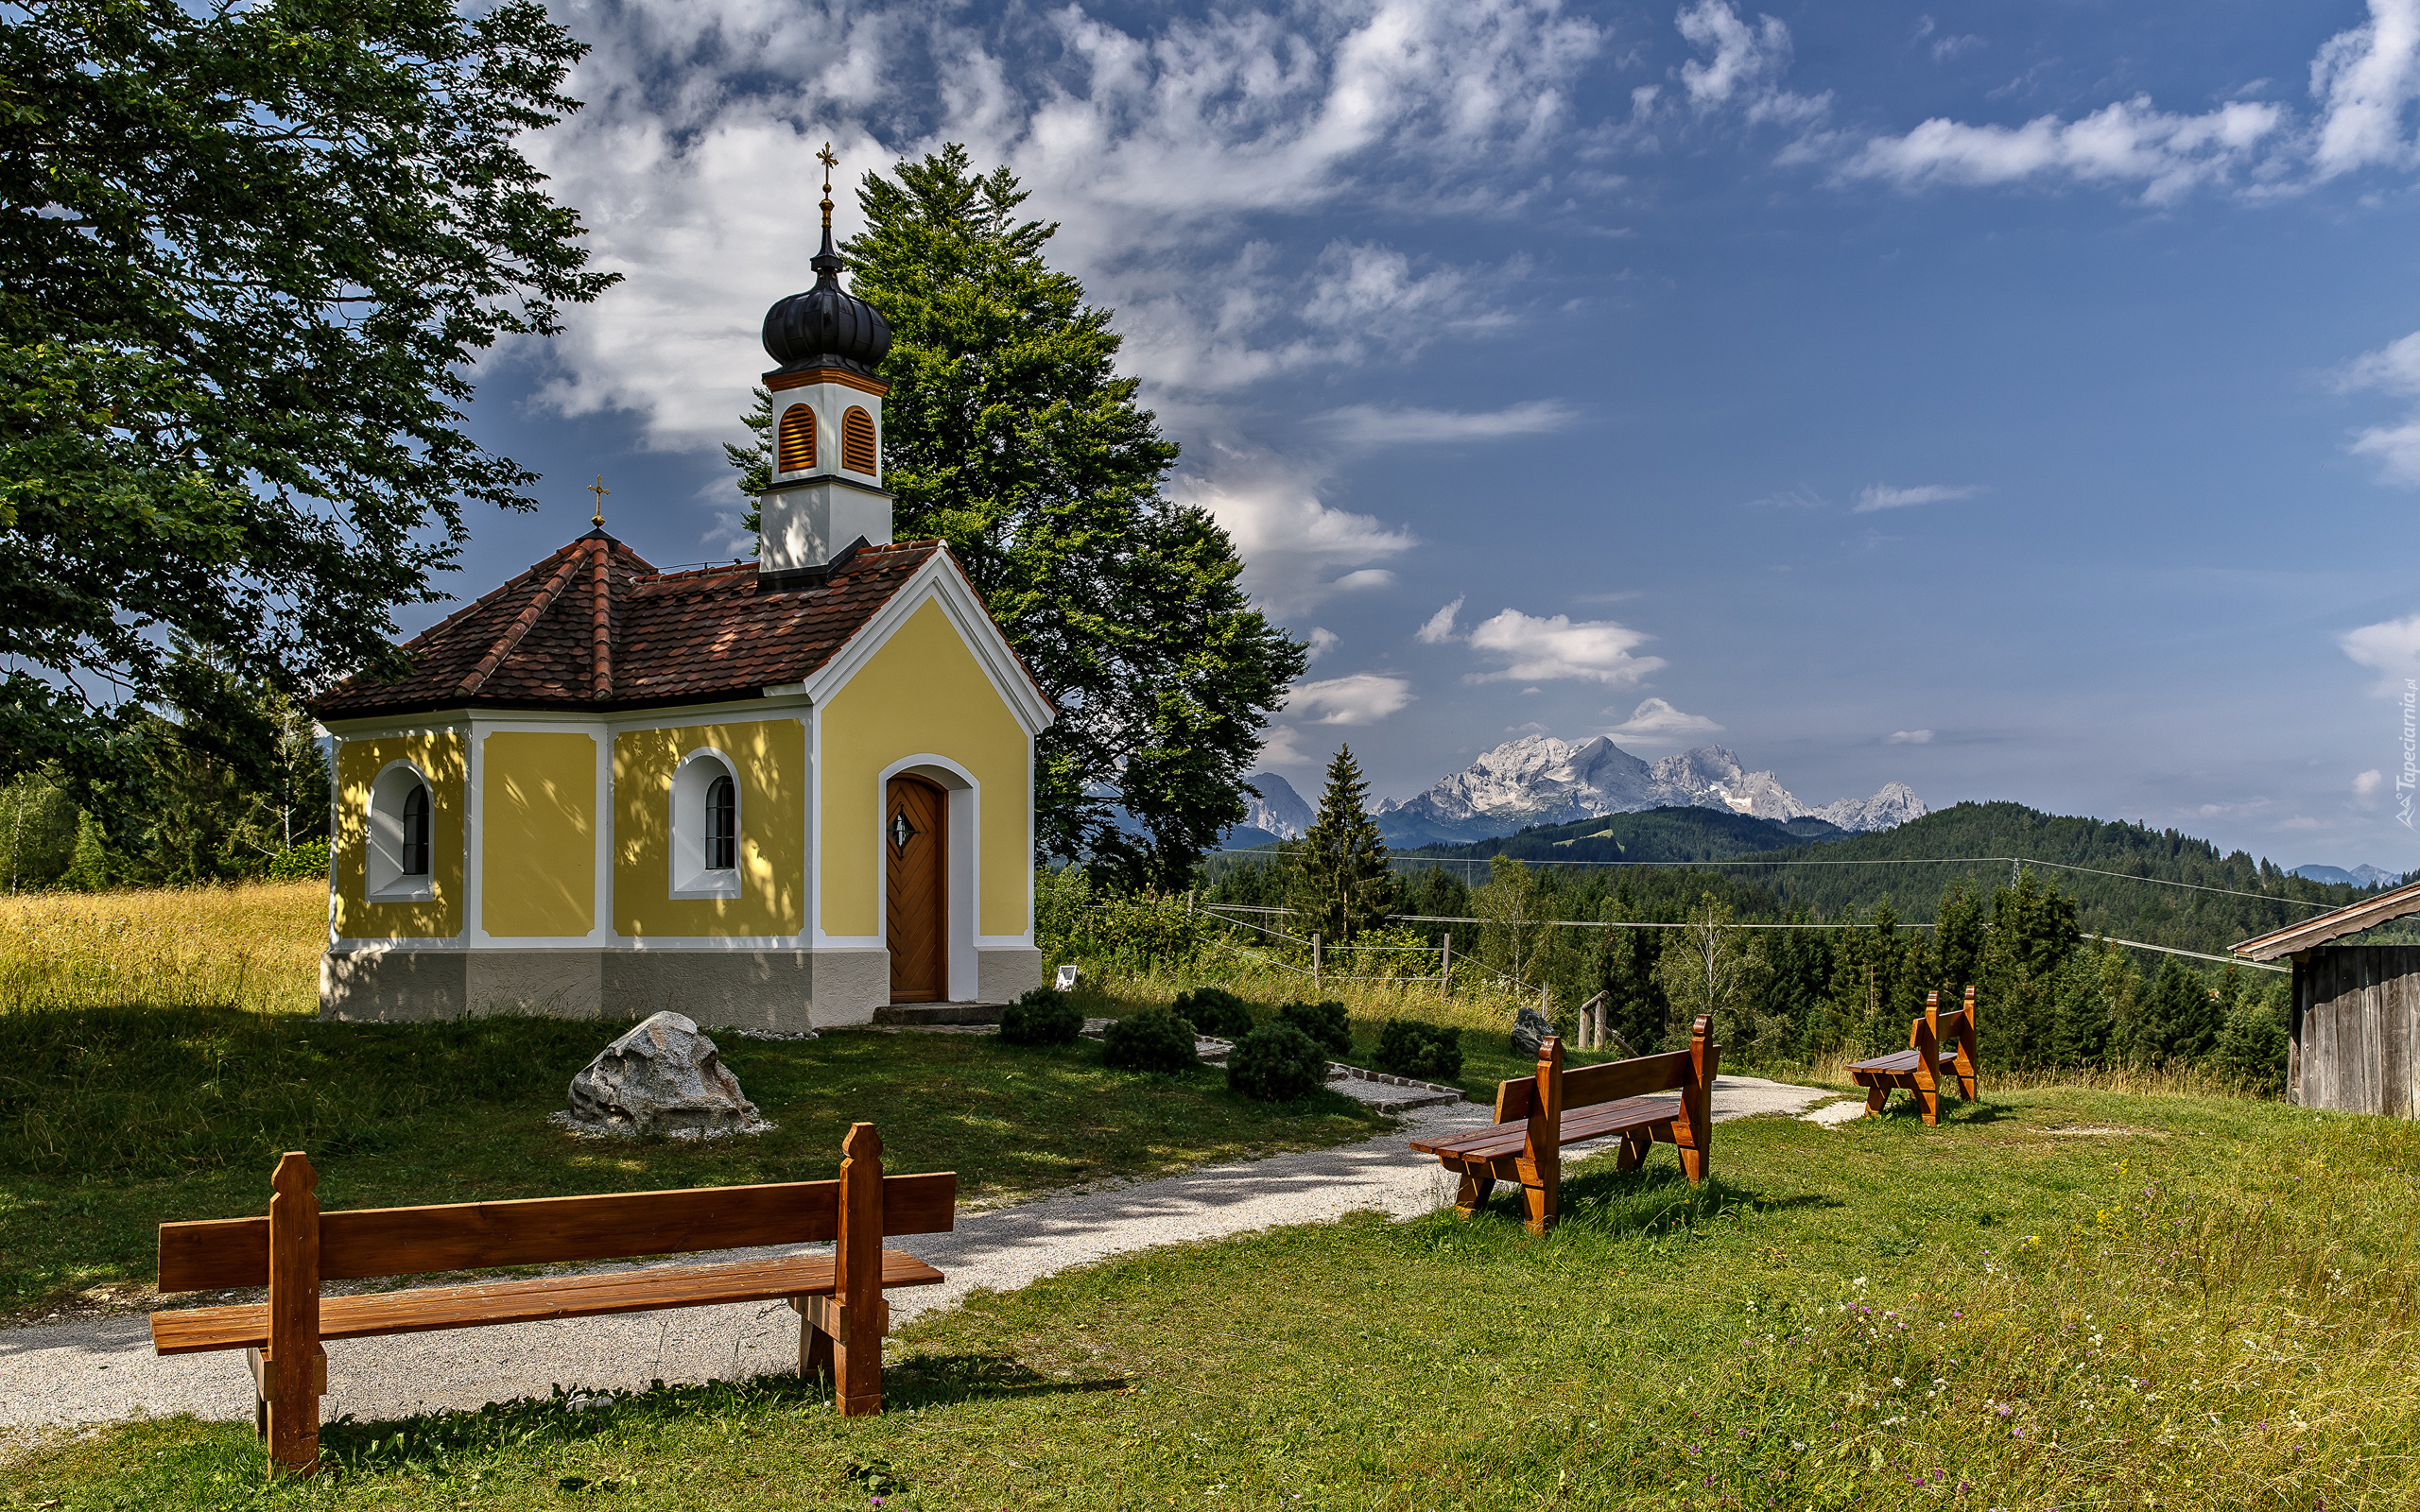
(247, 254)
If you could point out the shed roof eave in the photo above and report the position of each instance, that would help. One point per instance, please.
(2351, 919)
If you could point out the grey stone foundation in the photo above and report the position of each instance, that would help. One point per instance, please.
(746, 989)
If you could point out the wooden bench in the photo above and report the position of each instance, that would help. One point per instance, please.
(842, 1316)
(1536, 1116)
(1918, 1067)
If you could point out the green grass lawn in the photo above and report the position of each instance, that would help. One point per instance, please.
(113, 1119)
(2059, 1299)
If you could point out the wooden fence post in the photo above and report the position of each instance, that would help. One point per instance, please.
(1446, 967)
(294, 1372)
(1319, 969)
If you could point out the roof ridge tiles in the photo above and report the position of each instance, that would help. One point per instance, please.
(522, 623)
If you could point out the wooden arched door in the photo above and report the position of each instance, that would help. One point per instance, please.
(915, 840)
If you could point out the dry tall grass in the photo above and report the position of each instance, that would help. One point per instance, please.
(1471, 1006)
(255, 946)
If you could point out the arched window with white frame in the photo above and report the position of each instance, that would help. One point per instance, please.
(706, 819)
(399, 858)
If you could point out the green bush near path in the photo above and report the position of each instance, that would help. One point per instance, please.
(112, 1121)
(2062, 1297)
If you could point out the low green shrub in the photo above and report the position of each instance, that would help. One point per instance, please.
(1325, 1022)
(1044, 1016)
(1153, 1039)
(1277, 1063)
(1213, 1010)
(1415, 1047)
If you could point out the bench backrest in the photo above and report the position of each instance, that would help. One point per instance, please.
(368, 1242)
(1690, 1070)
(1937, 1031)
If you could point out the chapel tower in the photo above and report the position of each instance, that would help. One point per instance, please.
(826, 497)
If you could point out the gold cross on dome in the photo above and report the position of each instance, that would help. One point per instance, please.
(829, 163)
(599, 489)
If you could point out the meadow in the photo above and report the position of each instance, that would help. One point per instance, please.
(2058, 1298)
(2122, 1292)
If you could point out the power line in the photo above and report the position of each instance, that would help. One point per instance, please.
(1880, 861)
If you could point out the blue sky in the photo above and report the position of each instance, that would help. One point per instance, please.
(2018, 399)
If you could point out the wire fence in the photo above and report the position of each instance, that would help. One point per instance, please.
(1627, 924)
(1466, 863)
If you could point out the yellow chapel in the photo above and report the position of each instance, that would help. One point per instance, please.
(779, 795)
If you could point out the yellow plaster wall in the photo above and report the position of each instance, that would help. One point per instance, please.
(538, 835)
(770, 755)
(924, 692)
(439, 757)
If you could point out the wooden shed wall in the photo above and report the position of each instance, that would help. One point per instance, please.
(2357, 1025)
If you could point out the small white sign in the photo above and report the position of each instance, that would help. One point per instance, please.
(1066, 979)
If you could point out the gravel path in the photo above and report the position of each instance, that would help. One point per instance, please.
(102, 1369)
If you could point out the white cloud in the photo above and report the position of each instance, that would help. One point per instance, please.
(1655, 722)
(1557, 647)
(1293, 545)
(2367, 783)
(691, 167)
(1322, 640)
(1371, 425)
(1281, 746)
(1909, 737)
(1439, 628)
(2300, 821)
(2395, 369)
(1883, 496)
(1361, 698)
(2363, 80)
(2389, 648)
(1743, 66)
(2129, 142)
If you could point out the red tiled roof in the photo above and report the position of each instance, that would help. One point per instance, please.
(594, 626)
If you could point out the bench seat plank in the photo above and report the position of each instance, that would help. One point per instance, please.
(1901, 1061)
(245, 1326)
(1500, 1140)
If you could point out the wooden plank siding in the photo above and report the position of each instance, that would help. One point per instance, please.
(2356, 1046)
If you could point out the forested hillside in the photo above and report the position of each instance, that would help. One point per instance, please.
(1909, 866)
(1650, 834)
(2015, 931)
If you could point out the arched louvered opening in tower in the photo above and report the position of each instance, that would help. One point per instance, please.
(856, 441)
(797, 450)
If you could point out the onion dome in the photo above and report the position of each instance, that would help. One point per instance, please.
(828, 326)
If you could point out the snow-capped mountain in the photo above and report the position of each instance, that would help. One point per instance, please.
(1275, 808)
(2362, 876)
(1894, 805)
(1539, 779)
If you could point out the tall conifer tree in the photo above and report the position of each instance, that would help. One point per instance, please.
(1342, 884)
(1010, 435)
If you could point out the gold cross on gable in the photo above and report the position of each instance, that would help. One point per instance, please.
(599, 489)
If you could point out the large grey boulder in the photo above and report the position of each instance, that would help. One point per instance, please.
(1529, 1030)
(662, 1077)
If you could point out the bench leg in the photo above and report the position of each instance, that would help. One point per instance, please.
(814, 1351)
(1635, 1147)
(1540, 1200)
(1875, 1097)
(1929, 1101)
(1473, 1194)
